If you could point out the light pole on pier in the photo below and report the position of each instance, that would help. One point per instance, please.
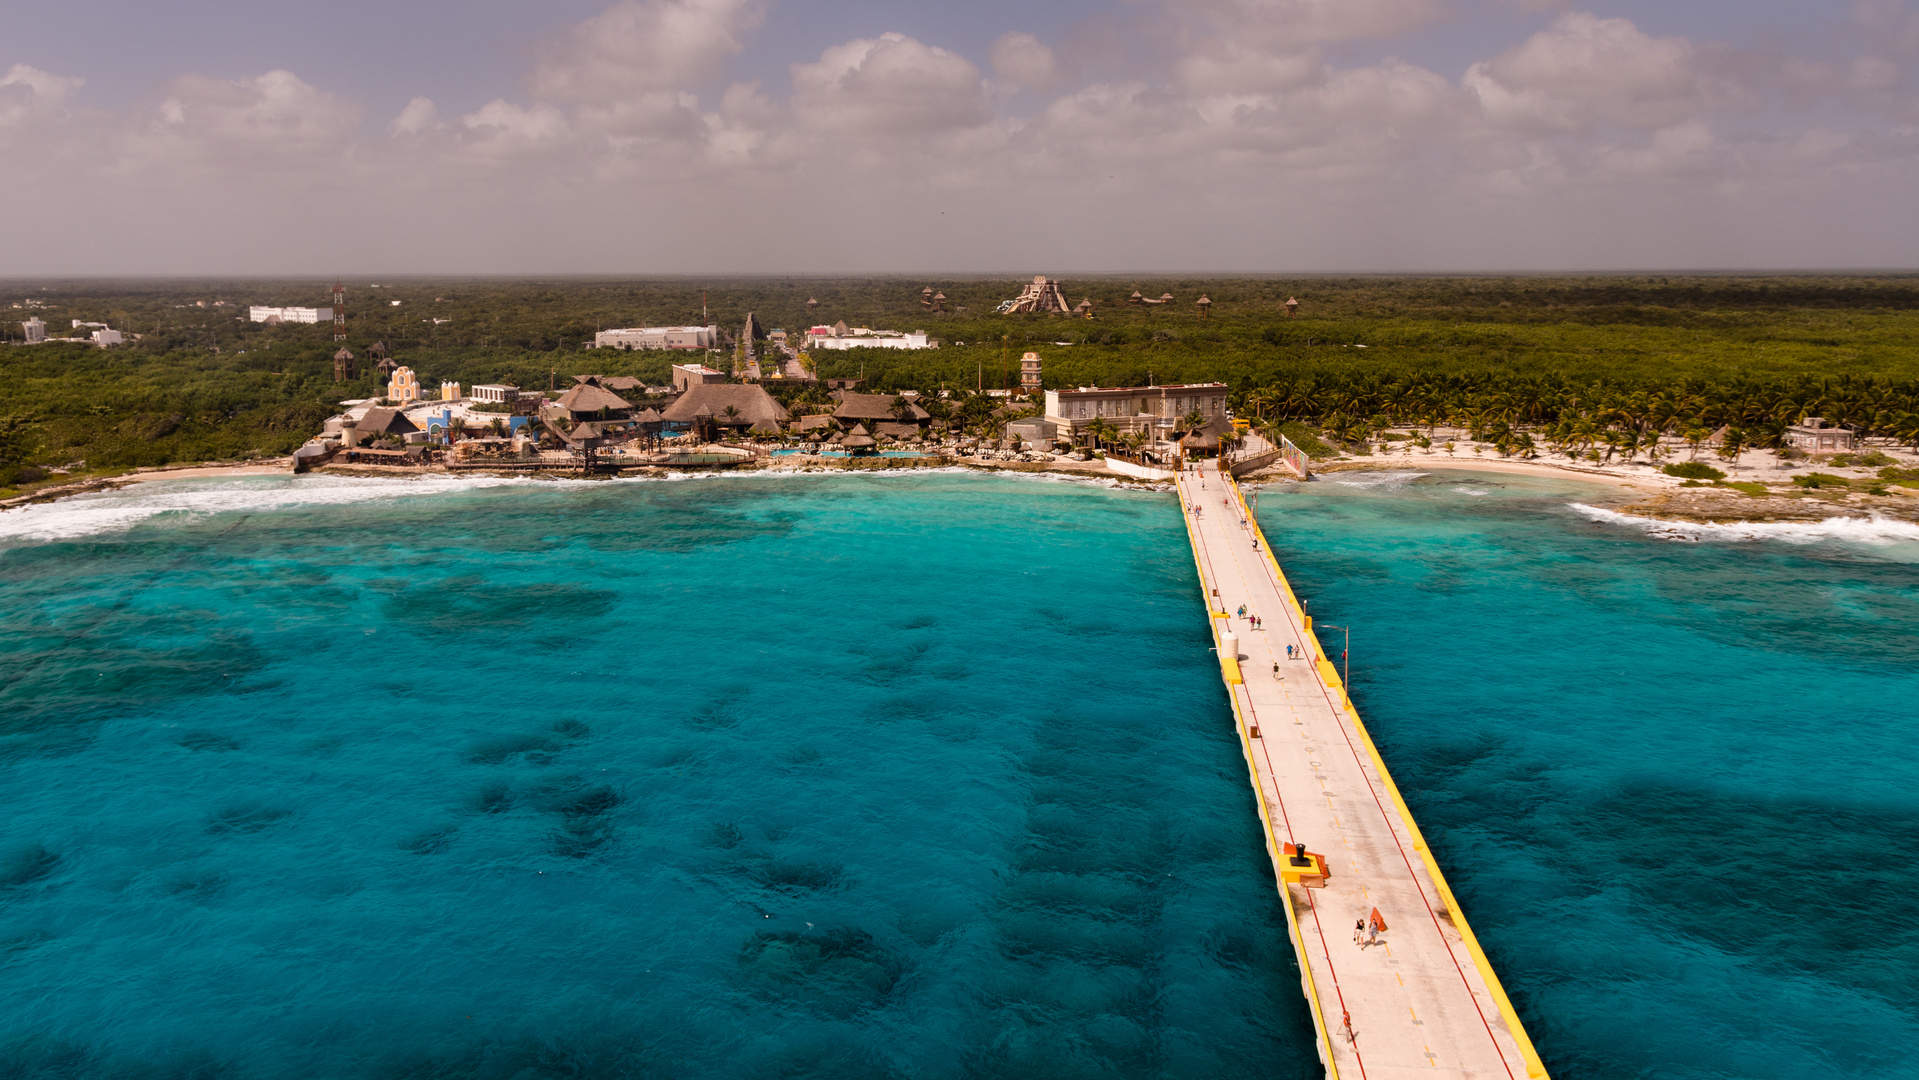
(1345, 659)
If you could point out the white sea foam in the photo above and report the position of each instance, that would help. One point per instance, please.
(122, 509)
(1876, 530)
(1386, 479)
(112, 511)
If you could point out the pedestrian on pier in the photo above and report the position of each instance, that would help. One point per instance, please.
(1289, 652)
(1242, 611)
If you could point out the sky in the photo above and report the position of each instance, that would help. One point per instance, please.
(208, 137)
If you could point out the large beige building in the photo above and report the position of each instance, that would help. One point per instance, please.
(1155, 410)
(659, 337)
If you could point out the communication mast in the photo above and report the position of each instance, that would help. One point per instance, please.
(339, 310)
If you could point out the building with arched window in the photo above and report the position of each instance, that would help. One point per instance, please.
(404, 387)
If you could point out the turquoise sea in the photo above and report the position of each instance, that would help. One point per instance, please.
(919, 774)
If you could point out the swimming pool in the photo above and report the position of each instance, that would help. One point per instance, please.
(842, 453)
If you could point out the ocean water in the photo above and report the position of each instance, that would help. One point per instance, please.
(837, 776)
(915, 775)
(1671, 771)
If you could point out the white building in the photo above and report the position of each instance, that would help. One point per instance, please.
(289, 314)
(859, 337)
(36, 329)
(1155, 410)
(104, 338)
(659, 337)
(496, 393)
(1819, 434)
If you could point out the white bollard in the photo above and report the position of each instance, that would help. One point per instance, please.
(1228, 643)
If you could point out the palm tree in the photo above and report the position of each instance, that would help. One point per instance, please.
(1100, 430)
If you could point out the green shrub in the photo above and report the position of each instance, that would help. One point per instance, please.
(1870, 459)
(1693, 470)
(1308, 443)
(1750, 488)
(1821, 480)
(1899, 474)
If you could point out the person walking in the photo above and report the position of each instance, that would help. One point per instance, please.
(1289, 652)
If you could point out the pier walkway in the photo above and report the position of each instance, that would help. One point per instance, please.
(1420, 998)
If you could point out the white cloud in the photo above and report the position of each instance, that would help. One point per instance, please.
(272, 119)
(642, 45)
(419, 115)
(1584, 70)
(1247, 140)
(1023, 60)
(27, 93)
(891, 85)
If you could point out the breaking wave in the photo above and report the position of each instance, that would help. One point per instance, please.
(1385, 479)
(124, 508)
(1876, 530)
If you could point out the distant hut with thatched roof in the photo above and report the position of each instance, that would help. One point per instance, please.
(878, 408)
(590, 401)
(857, 440)
(732, 406)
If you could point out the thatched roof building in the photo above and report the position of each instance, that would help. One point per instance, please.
(586, 400)
(877, 407)
(751, 405)
(385, 422)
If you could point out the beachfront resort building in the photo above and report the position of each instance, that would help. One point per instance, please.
(841, 336)
(1816, 434)
(659, 337)
(273, 316)
(1155, 410)
(708, 408)
(496, 394)
(871, 409)
(588, 400)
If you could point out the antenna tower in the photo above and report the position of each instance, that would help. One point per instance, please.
(339, 310)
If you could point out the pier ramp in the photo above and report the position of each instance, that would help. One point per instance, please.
(1397, 984)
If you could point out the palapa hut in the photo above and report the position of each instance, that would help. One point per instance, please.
(590, 401)
(857, 440)
(735, 406)
(902, 432)
(1207, 439)
(378, 424)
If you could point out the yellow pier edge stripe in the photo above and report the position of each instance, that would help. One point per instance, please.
(1330, 674)
(1293, 930)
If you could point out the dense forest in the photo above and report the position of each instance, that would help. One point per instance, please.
(1522, 360)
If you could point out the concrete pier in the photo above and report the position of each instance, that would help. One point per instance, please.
(1418, 997)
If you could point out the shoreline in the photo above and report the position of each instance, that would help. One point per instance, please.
(1648, 496)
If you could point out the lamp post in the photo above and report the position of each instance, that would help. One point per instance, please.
(1345, 659)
